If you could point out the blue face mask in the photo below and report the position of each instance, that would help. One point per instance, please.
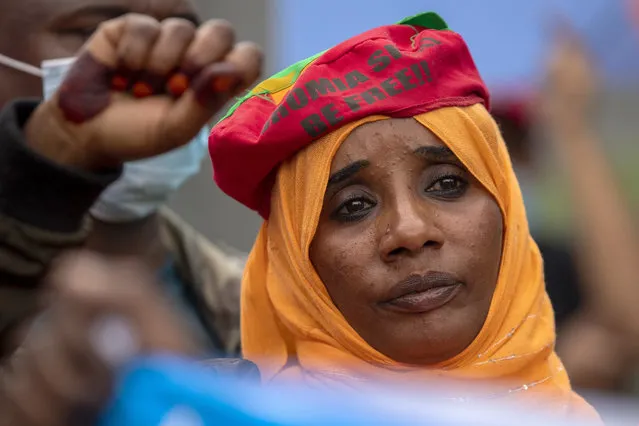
(145, 185)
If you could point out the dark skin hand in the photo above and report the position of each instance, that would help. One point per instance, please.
(400, 204)
(60, 376)
(100, 118)
(35, 30)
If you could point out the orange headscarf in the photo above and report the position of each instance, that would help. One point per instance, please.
(292, 329)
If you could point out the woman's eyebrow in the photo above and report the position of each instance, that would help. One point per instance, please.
(347, 172)
(436, 153)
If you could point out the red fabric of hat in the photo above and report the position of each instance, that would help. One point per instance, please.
(397, 70)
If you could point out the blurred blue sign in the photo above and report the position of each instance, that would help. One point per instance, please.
(166, 391)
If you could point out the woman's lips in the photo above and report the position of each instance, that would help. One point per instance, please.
(422, 293)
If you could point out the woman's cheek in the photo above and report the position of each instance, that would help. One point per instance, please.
(344, 261)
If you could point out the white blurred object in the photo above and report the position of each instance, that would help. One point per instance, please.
(146, 185)
(53, 72)
(20, 66)
(113, 339)
(182, 416)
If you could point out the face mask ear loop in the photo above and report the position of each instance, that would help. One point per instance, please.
(20, 66)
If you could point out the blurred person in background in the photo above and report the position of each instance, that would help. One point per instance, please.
(49, 207)
(592, 280)
(601, 342)
(512, 113)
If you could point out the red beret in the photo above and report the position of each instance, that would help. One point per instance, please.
(396, 70)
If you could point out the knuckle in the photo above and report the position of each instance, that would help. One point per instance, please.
(106, 26)
(111, 28)
(221, 29)
(249, 56)
(251, 47)
(255, 52)
(142, 26)
(178, 28)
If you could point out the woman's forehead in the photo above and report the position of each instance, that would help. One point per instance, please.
(382, 139)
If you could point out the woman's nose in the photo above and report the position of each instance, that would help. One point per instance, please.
(408, 229)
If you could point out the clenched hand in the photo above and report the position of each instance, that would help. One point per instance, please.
(141, 87)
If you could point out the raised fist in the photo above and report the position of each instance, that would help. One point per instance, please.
(141, 87)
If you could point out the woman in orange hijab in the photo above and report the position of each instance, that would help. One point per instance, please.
(395, 243)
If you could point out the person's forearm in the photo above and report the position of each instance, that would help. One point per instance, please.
(607, 245)
(43, 204)
(43, 208)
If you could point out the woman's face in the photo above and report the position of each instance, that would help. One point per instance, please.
(408, 242)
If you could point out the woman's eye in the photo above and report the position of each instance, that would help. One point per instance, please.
(448, 186)
(353, 209)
